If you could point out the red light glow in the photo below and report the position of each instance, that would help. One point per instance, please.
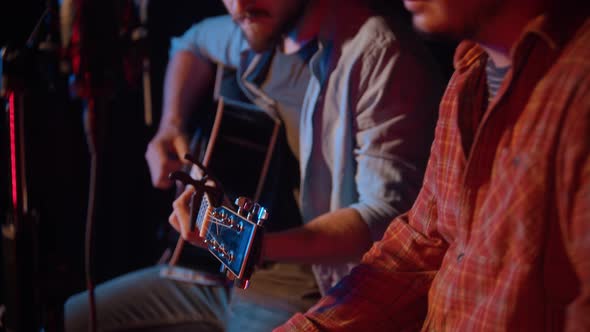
(12, 150)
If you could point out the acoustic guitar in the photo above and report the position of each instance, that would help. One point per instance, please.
(234, 154)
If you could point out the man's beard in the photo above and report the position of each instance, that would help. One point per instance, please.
(259, 42)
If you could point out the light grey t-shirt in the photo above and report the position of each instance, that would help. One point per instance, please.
(284, 80)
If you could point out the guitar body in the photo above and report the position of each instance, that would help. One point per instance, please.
(241, 146)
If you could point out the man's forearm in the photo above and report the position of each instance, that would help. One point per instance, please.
(188, 79)
(336, 237)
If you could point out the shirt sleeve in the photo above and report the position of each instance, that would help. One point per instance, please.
(217, 39)
(395, 110)
(573, 186)
(388, 290)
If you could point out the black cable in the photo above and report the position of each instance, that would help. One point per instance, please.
(31, 41)
(89, 129)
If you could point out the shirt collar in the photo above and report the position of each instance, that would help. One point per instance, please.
(554, 29)
(466, 54)
(345, 19)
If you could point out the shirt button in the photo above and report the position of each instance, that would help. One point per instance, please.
(460, 257)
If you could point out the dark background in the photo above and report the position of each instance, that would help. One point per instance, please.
(131, 217)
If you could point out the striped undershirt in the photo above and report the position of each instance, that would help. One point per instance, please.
(495, 76)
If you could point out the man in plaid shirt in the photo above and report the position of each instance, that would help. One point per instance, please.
(499, 237)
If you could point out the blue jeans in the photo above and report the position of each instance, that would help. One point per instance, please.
(145, 301)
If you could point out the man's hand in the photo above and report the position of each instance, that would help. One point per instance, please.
(180, 218)
(164, 154)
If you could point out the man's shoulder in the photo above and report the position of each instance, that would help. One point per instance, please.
(221, 20)
(377, 29)
(355, 23)
(220, 26)
(376, 33)
(571, 70)
(568, 84)
(577, 51)
(575, 61)
(216, 38)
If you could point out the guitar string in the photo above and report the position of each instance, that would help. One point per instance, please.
(212, 217)
(218, 222)
(209, 236)
(215, 221)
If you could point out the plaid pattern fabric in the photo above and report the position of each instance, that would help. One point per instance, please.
(499, 237)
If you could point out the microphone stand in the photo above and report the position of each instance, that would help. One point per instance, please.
(140, 35)
(19, 229)
(93, 70)
(21, 77)
(98, 66)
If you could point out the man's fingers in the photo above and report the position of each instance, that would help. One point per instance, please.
(191, 237)
(173, 221)
(183, 200)
(182, 215)
(165, 155)
(162, 181)
(156, 158)
(181, 145)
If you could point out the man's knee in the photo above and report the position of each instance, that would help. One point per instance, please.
(76, 313)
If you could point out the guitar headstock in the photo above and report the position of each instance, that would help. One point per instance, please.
(233, 235)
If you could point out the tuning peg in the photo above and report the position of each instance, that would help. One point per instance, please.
(244, 205)
(255, 208)
(262, 216)
(253, 214)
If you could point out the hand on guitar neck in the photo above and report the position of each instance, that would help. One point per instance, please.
(181, 213)
(232, 235)
(162, 155)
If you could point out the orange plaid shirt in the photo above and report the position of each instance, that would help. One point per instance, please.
(499, 237)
